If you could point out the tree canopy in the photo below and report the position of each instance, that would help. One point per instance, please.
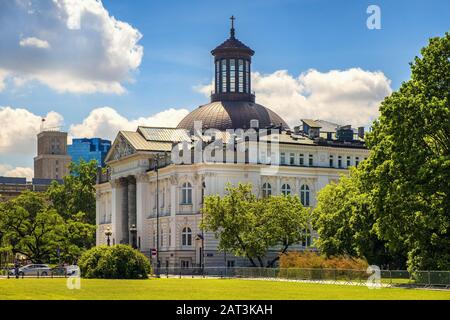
(31, 227)
(77, 193)
(248, 226)
(401, 190)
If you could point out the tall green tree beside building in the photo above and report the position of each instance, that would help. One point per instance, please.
(77, 193)
(400, 193)
(248, 226)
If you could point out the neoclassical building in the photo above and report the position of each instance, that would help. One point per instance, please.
(152, 196)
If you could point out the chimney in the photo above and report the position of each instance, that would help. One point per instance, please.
(361, 132)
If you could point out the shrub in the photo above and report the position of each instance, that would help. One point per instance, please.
(310, 259)
(115, 262)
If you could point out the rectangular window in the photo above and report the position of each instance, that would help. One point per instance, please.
(348, 161)
(356, 161)
(184, 264)
(241, 75)
(224, 75)
(292, 159)
(232, 75)
(311, 160)
(217, 76)
(301, 160)
(230, 263)
(247, 76)
(283, 158)
(331, 162)
(340, 161)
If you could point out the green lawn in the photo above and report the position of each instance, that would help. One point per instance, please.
(201, 289)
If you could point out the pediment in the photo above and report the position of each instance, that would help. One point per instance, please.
(121, 148)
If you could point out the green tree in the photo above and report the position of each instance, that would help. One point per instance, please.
(408, 171)
(345, 224)
(283, 222)
(395, 206)
(31, 227)
(77, 193)
(247, 226)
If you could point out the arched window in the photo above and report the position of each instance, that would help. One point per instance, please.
(304, 195)
(186, 236)
(266, 190)
(286, 189)
(186, 193)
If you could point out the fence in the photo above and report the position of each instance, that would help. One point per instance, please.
(391, 277)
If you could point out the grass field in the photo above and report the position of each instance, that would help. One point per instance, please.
(221, 289)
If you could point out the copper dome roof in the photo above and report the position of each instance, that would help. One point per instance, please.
(224, 115)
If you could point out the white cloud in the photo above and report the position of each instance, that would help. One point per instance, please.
(19, 128)
(10, 171)
(34, 42)
(105, 122)
(90, 50)
(349, 96)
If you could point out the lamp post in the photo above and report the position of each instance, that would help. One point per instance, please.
(133, 231)
(108, 234)
(157, 215)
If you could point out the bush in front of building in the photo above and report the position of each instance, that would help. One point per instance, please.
(115, 262)
(313, 260)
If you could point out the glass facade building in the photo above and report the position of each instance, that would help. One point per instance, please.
(89, 149)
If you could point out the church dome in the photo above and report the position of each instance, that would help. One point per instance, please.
(224, 115)
(232, 101)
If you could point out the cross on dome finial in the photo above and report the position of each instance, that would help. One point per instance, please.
(232, 26)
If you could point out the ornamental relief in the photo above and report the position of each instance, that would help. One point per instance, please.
(122, 148)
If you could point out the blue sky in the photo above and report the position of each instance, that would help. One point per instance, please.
(177, 37)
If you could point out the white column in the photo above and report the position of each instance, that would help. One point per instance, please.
(116, 205)
(142, 187)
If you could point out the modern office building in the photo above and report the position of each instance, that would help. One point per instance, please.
(89, 149)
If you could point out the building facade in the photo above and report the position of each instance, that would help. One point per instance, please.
(52, 160)
(158, 177)
(11, 187)
(88, 149)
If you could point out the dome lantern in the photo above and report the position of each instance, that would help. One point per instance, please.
(232, 61)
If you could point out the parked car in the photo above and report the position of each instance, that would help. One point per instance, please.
(33, 270)
(65, 270)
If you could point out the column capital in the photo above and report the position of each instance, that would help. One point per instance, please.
(142, 177)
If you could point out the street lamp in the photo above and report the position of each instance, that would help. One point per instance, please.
(133, 231)
(108, 234)
(157, 215)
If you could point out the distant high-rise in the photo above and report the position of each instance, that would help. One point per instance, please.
(89, 149)
(52, 160)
